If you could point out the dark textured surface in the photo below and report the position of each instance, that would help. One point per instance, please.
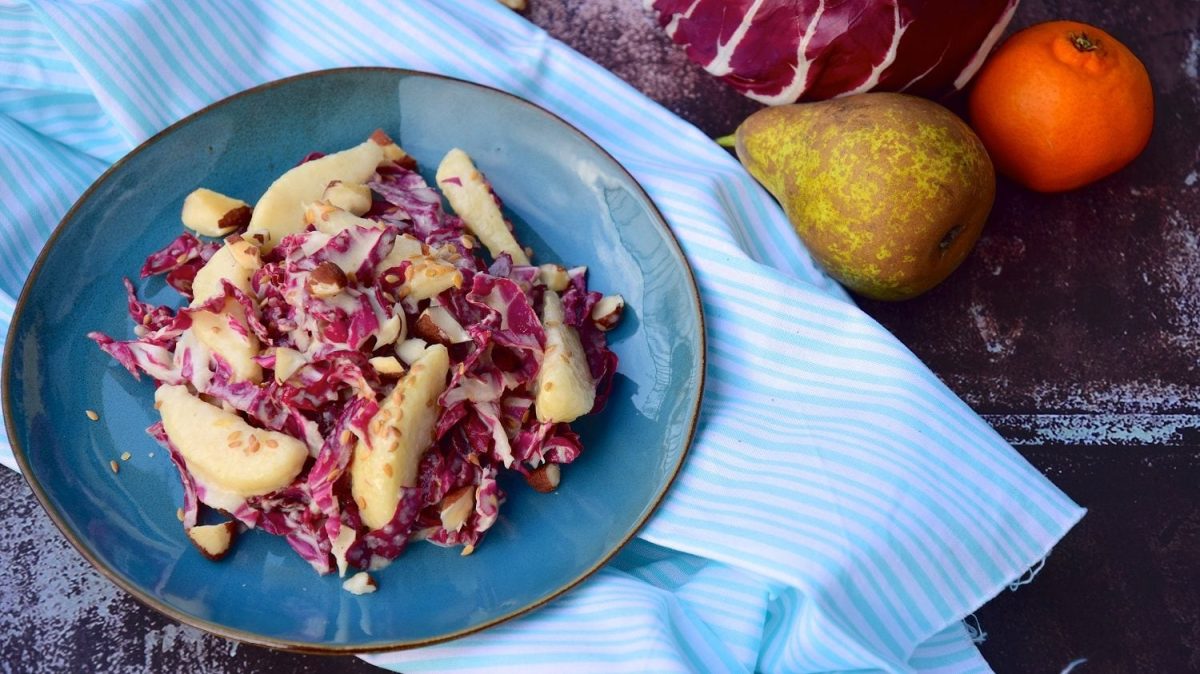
(1074, 328)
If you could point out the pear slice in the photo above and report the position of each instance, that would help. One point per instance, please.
(456, 507)
(352, 197)
(400, 432)
(236, 262)
(280, 210)
(287, 362)
(332, 220)
(224, 452)
(213, 540)
(429, 276)
(472, 199)
(564, 387)
(213, 214)
(239, 350)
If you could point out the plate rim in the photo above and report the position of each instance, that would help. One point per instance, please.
(7, 388)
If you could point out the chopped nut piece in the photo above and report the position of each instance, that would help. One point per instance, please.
(91, 414)
(411, 349)
(326, 280)
(392, 329)
(179, 514)
(437, 324)
(545, 478)
(360, 583)
(607, 312)
(213, 540)
(387, 365)
(456, 507)
(428, 330)
(125, 456)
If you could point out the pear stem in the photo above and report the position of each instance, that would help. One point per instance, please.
(727, 141)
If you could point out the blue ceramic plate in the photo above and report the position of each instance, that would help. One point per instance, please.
(570, 201)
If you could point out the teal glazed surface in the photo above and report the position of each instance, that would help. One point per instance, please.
(571, 202)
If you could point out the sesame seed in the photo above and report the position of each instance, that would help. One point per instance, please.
(271, 443)
(114, 466)
(91, 414)
(150, 455)
(125, 456)
(234, 436)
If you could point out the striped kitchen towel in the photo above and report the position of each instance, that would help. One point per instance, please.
(840, 510)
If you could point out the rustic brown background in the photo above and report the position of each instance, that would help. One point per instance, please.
(1074, 328)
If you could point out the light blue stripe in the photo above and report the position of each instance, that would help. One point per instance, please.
(832, 408)
(103, 78)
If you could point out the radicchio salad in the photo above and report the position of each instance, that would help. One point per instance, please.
(350, 373)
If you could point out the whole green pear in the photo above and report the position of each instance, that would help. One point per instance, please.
(889, 192)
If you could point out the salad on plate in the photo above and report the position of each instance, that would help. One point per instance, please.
(351, 371)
